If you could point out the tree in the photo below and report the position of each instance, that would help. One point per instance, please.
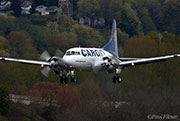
(122, 37)
(21, 44)
(156, 11)
(4, 100)
(22, 24)
(52, 3)
(87, 36)
(16, 7)
(39, 2)
(52, 28)
(4, 43)
(88, 8)
(147, 22)
(171, 16)
(52, 97)
(66, 23)
(61, 41)
(130, 20)
(46, 2)
(7, 24)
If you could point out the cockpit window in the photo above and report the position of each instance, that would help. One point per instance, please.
(68, 53)
(73, 53)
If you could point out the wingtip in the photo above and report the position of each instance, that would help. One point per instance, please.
(2, 58)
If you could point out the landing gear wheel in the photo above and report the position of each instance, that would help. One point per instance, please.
(114, 79)
(65, 80)
(73, 79)
(61, 80)
(118, 79)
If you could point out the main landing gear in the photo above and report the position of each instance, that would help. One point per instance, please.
(116, 78)
(64, 79)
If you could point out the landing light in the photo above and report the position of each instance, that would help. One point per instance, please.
(42, 65)
(132, 63)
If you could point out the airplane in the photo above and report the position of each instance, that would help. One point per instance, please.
(89, 59)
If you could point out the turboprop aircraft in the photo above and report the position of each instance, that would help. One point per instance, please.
(89, 59)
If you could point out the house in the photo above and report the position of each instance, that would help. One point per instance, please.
(43, 10)
(62, 0)
(52, 9)
(5, 4)
(40, 8)
(81, 20)
(92, 22)
(85, 20)
(99, 22)
(26, 7)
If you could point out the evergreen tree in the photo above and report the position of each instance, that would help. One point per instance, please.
(16, 7)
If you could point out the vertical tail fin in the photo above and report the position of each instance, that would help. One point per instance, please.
(112, 46)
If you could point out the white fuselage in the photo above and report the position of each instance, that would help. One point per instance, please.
(85, 58)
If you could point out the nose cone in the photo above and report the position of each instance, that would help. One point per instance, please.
(67, 60)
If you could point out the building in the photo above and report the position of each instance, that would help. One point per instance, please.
(5, 4)
(26, 6)
(43, 10)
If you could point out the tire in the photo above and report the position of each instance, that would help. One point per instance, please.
(65, 80)
(114, 79)
(73, 79)
(119, 79)
(61, 80)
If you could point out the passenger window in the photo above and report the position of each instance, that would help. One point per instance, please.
(72, 53)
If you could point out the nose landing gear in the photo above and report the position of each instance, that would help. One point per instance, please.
(64, 77)
(73, 79)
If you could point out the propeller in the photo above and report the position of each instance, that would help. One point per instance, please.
(46, 56)
(58, 53)
(110, 62)
(45, 71)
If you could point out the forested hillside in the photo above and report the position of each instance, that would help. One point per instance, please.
(146, 28)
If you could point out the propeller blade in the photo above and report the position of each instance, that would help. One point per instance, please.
(58, 53)
(45, 56)
(45, 71)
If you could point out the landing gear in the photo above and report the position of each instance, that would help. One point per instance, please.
(114, 79)
(117, 79)
(73, 79)
(64, 77)
(61, 80)
(66, 80)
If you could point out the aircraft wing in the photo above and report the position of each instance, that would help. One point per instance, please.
(129, 59)
(42, 63)
(146, 60)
